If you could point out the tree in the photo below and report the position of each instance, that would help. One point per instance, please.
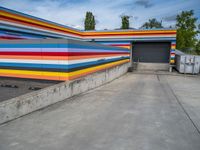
(125, 22)
(186, 30)
(89, 21)
(152, 23)
(197, 49)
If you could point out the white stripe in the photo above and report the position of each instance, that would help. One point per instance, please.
(63, 62)
(93, 59)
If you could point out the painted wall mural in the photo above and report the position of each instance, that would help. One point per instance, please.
(57, 59)
(26, 26)
(61, 61)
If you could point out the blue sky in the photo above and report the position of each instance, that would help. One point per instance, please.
(107, 12)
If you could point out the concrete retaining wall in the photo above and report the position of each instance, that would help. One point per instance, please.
(30, 102)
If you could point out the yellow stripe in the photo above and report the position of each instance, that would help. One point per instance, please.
(96, 68)
(173, 47)
(128, 47)
(172, 61)
(26, 72)
(61, 74)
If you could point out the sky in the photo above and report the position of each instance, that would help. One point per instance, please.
(107, 12)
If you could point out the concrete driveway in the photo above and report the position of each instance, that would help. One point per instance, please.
(134, 112)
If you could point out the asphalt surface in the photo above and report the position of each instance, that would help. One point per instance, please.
(134, 112)
(13, 87)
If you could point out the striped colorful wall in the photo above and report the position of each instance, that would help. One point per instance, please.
(172, 52)
(57, 59)
(26, 26)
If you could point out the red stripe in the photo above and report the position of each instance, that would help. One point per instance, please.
(59, 53)
(173, 44)
(10, 38)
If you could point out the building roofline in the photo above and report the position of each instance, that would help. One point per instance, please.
(37, 18)
(78, 30)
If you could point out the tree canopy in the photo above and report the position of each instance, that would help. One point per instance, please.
(197, 48)
(125, 22)
(90, 21)
(152, 23)
(186, 31)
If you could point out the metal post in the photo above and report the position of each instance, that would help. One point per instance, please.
(170, 68)
(193, 69)
(184, 64)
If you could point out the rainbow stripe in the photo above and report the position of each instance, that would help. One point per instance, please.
(57, 59)
(172, 52)
(29, 27)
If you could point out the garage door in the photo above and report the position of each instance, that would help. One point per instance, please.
(152, 52)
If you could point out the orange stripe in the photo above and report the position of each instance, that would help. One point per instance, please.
(35, 76)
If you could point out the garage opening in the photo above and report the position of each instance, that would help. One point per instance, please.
(151, 52)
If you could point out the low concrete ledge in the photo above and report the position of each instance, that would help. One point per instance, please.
(153, 66)
(22, 105)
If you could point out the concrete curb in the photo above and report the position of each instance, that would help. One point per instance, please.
(165, 73)
(22, 105)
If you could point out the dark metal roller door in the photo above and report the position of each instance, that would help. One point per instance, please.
(152, 52)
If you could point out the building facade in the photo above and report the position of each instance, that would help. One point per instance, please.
(148, 46)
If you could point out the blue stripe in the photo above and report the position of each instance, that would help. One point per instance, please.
(18, 34)
(55, 45)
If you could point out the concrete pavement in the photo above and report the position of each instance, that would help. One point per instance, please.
(134, 112)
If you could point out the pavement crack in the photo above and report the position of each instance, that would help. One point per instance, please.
(183, 108)
(158, 77)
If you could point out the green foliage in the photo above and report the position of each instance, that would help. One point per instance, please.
(89, 21)
(125, 22)
(152, 23)
(197, 49)
(186, 30)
